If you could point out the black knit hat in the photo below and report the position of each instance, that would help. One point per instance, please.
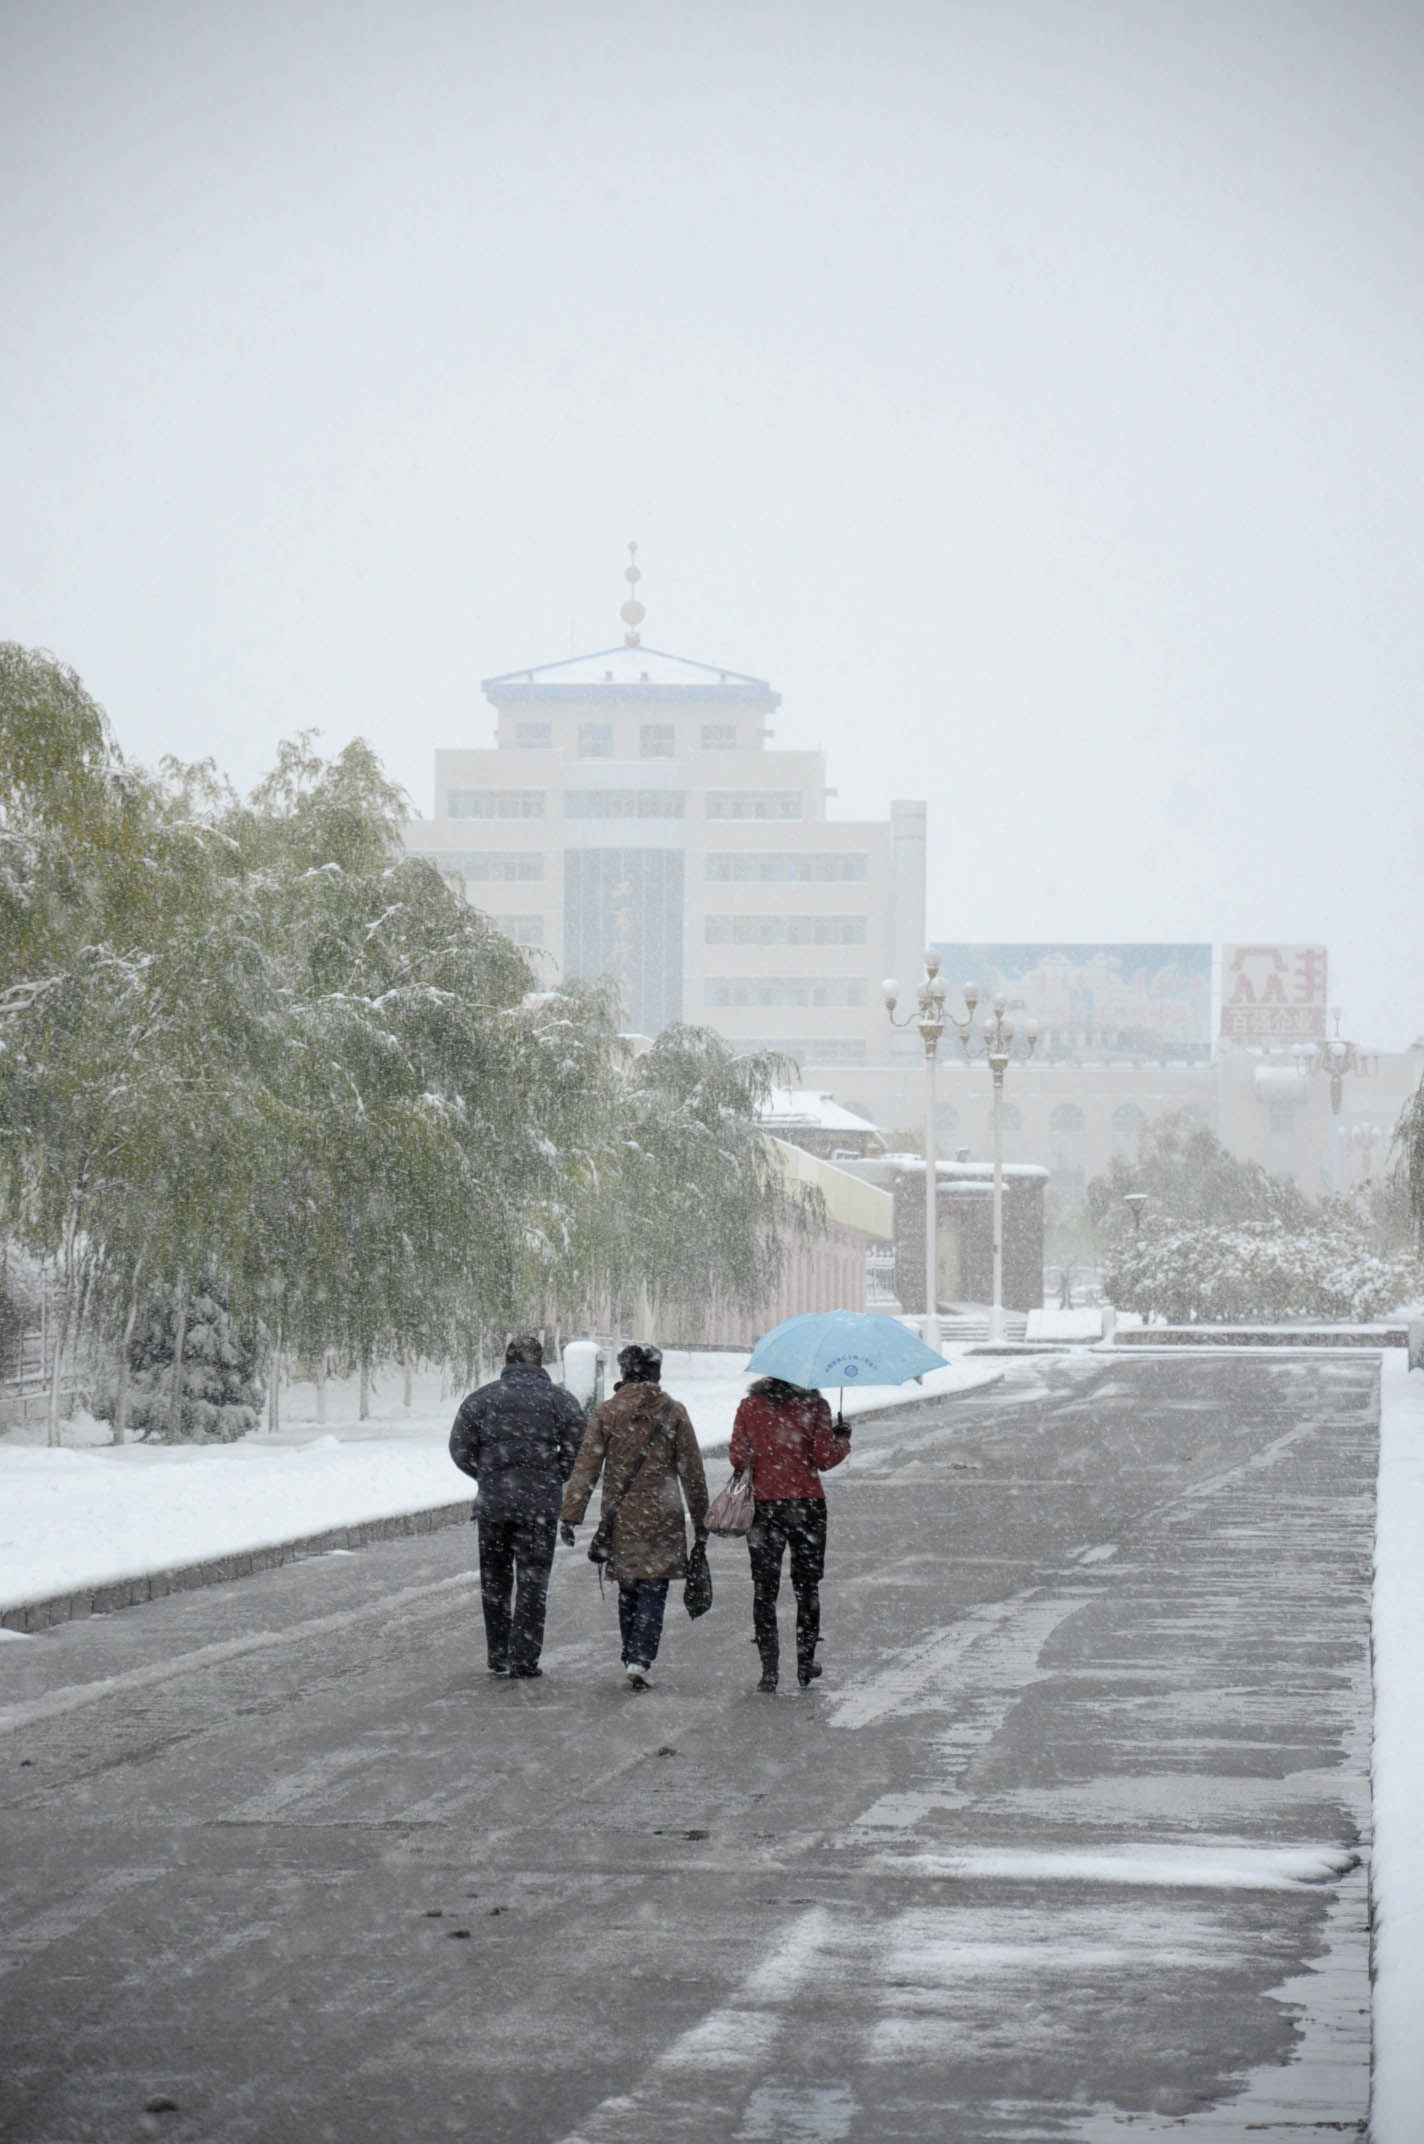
(640, 1364)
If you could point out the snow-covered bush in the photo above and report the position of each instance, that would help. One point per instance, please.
(222, 1373)
(1258, 1273)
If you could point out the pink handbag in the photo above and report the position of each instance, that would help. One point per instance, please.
(732, 1510)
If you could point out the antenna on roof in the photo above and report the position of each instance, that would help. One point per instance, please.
(632, 612)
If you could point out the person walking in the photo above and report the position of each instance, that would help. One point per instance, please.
(642, 1443)
(785, 1435)
(517, 1438)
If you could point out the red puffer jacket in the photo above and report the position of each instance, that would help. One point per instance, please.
(788, 1444)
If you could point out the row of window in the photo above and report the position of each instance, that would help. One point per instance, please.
(656, 740)
(782, 990)
(810, 1050)
(787, 930)
(623, 804)
(833, 866)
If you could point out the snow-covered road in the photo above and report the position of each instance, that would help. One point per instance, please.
(88, 1514)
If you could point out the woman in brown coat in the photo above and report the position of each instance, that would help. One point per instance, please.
(642, 1443)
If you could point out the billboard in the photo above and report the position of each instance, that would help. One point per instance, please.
(1273, 993)
(1146, 1001)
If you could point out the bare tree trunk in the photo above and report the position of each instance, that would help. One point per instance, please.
(364, 1406)
(444, 1379)
(175, 1388)
(121, 1397)
(274, 1389)
(56, 1375)
(61, 1338)
(407, 1385)
(321, 1390)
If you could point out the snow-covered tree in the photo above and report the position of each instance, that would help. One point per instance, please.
(252, 1054)
(220, 1373)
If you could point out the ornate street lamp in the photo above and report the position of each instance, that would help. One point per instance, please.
(998, 1048)
(1365, 1138)
(1336, 1058)
(930, 1017)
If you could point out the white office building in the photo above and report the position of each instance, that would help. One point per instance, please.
(632, 819)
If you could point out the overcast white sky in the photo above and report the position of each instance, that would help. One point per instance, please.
(1029, 388)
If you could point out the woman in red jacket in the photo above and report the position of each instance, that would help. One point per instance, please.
(786, 1436)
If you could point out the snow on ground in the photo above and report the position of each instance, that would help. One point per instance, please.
(1397, 1879)
(92, 1512)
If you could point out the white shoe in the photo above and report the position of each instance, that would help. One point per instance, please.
(639, 1677)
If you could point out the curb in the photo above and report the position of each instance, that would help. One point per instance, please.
(28, 1616)
(218, 1570)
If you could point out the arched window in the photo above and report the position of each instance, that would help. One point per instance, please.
(1127, 1124)
(1067, 1150)
(1194, 1118)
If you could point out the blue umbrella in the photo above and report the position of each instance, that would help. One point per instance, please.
(842, 1347)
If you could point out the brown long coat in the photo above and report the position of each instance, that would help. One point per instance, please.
(649, 1539)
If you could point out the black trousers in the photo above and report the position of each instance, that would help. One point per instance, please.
(797, 1523)
(516, 1557)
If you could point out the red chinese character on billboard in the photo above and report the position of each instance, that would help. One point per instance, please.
(1273, 993)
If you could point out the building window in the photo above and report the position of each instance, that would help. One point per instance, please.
(1127, 1123)
(625, 804)
(495, 804)
(533, 736)
(1067, 1150)
(623, 919)
(657, 740)
(753, 803)
(483, 864)
(783, 990)
(595, 740)
(813, 1050)
(742, 867)
(719, 736)
(786, 930)
(524, 930)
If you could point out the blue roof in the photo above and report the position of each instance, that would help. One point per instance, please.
(634, 673)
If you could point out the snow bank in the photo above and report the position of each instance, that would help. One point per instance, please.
(1398, 1764)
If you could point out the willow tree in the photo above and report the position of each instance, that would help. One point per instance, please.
(703, 1211)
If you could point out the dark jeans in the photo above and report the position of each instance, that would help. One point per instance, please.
(640, 1619)
(516, 1557)
(797, 1523)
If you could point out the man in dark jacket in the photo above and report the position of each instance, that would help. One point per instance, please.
(518, 1438)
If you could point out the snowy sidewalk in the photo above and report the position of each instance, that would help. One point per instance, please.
(1397, 1882)
(93, 1515)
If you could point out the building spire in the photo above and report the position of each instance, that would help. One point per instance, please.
(632, 612)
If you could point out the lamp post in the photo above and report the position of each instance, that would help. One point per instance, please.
(1365, 1138)
(930, 1017)
(998, 1047)
(1335, 1058)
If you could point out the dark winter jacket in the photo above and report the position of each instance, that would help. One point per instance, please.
(518, 1438)
(787, 1443)
(649, 1540)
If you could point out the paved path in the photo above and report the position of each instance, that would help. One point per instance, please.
(1067, 1844)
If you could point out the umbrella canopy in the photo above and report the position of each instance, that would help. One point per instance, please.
(842, 1347)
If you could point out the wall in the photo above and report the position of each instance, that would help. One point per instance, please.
(965, 1235)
